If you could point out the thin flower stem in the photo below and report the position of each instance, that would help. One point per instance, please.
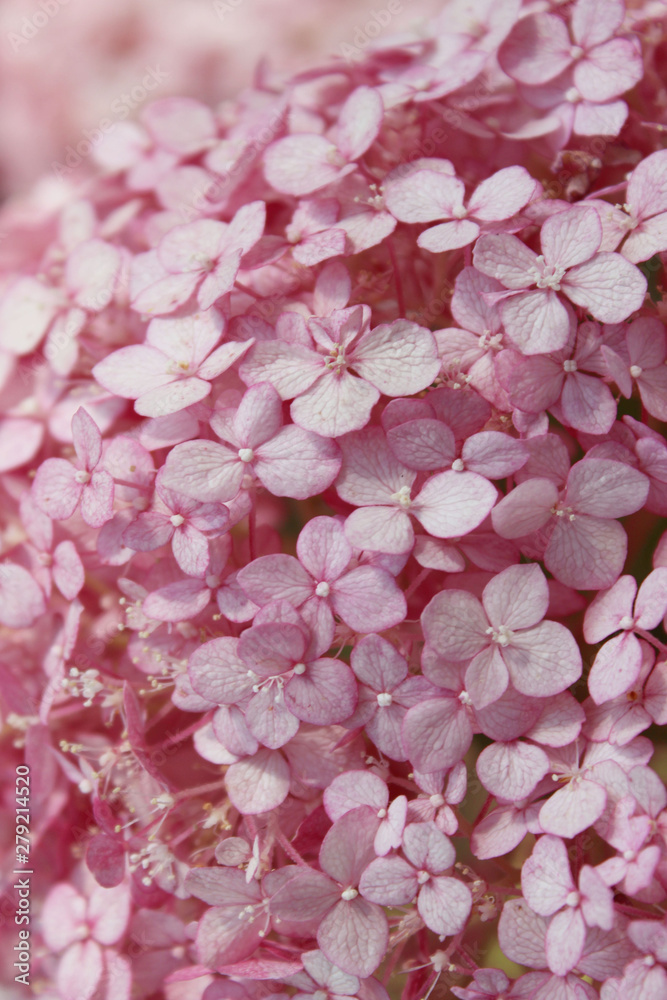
(643, 634)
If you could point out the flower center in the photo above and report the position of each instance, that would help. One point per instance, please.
(437, 801)
(384, 699)
(490, 341)
(636, 371)
(423, 877)
(335, 359)
(323, 589)
(349, 894)
(558, 510)
(177, 520)
(402, 497)
(546, 275)
(246, 454)
(457, 465)
(82, 477)
(300, 668)
(572, 898)
(569, 366)
(502, 635)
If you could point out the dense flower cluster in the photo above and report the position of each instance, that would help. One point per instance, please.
(332, 590)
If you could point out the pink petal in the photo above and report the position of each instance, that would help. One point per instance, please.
(436, 733)
(449, 236)
(359, 122)
(380, 529)
(517, 598)
(543, 660)
(378, 664)
(651, 600)
(347, 848)
(486, 677)
(91, 273)
(453, 503)
(133, 371)
(368, 600)
(204, 470)
(428, 848)
(423, 196)
(335, 404)
(323, 549)
(609, 287)
(269, 720)
(353, 789)
(610, 70)
(536, 321)
(522, 934)
(389, 882)
(220, 280)
(505, 258)
(573, 808)
(80, 971)
(258, 784)
(571, 237)
(502, 194)
(565, 941)
(55, 489)
(177, 601)
(27, 309)
(354, 935)
(274, 578)
(546, 879)
(297, 463)
(605, 488)
(97, 499)
(325, 694)
(444, 904)
(301, 164)
(217, 674)
(512, 770)
(68, 572)
(21, 598)
(290, 368)
(615, 668)
(398, 358)
(226, 935)
(537, 50)
(455, 625)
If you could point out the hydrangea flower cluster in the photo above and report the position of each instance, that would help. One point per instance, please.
(332, 589)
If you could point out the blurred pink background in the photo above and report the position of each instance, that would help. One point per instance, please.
(67, 64)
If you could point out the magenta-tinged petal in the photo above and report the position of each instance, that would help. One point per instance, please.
(573, 808)
(615, 668)
(258, 784)
(80, 971)
(565, 941)
(486, 677)
(571, 237)
(398, 358)
(512, 770)
(586, 554)
(449, 236)
(517, 598)
(336, 404)
(347, 849)
(436, 733)
(354, 935)
(132, 371)
(380, 529)
(453, 503)
(378, 664)
(537, 50)
(217, 672)
(68, 572)
(270, 720)
(87, 439)
(21, 598)
(543, 660)
(97, 499)
(522, 934)
(651, 600)
(502, 194)
(323, 549)
(307, 896)
(204, 470)
(608, 286)
(444, 905)
(171, 398)
(368, 600)
(225, 935)
(506, 259)
(177, 601)
(324, 694)
(190, 549)
(297, 463)
(455, 625)
(604, 488)
(423, 445)
(427, 848)
(290, 368)
(498, 833)
(546, 879)
(301, 164)
(353, 789)
(27, 309)
(424, 196)
(610, 70)
(274, 578)
(493, 454)
(535, 321)
(389, 882)
(55, 489)
(525, 509)
(359, 122)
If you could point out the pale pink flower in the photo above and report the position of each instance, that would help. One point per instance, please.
(174, 368)
(585, 548)
(443, 902)
(301, 164)
(287, 460)
(202, 257)
(618, 662)
(642, 361)
(354, 789)
(427, 195)
(604, 284)
(548, 888)
(397, 359)
(366, 598)
(59, 487)
(449, 504)
(504, 637)
(351, 932)
(646, 208)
